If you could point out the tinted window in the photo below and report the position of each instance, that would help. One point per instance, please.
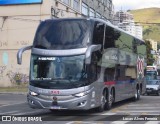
(98, 33)
(111, 35)
(62, 34)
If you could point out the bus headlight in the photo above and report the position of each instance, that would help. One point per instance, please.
(81, 94)
(155, 88)
(33, 93)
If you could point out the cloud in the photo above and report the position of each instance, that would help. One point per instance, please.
(134, 4)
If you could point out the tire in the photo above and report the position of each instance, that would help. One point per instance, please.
(137, 95)
(110, 100)
(101, 108)
(158, 94)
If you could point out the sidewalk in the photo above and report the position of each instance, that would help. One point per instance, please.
(24, 93)
(13, 90)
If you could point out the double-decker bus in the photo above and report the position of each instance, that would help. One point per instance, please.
(83, 63)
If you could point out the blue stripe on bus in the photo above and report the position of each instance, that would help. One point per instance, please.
(128, 81)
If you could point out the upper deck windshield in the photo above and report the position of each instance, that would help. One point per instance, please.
(62, 34)
(58, 72)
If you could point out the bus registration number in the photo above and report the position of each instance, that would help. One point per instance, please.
(55, 107)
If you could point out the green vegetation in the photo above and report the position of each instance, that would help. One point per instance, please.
(150, 58)
(149, 15)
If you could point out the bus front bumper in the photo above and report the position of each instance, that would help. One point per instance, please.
(76, 103)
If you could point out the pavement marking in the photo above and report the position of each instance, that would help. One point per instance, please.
(153, 122)
(143, 105)
(108, 113)
(142, 108)
(119, 122)
(141, 111)
(12, 104)
(80, 122)
(3, 113)
(30, 112)
(97, 117)
(65, 118)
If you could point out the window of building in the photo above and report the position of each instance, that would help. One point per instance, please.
(103, 17)
(76, 4)
(98, 15)
(84, 9)
(105, 2)
(91, 12)
(66, 2)
(108, 3)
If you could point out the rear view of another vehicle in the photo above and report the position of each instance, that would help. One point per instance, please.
(153, 87)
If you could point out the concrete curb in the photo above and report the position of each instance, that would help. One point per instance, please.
(23, 93)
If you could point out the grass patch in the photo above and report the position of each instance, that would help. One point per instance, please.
(149, 15)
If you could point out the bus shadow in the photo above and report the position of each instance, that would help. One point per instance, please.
(88, 112)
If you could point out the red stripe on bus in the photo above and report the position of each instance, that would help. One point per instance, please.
(109, 83)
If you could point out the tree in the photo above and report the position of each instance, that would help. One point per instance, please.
(150, 58)
(158, 45)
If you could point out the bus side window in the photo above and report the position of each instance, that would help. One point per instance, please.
(111, 35)
(109, 74)
(98, 33)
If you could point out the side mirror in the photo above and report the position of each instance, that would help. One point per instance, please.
(20, 52)
(89, 51)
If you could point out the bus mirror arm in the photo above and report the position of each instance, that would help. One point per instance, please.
(20, 52)
(89, 51)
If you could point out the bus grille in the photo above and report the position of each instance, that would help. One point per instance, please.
(59, 98)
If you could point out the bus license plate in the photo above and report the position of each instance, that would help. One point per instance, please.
(55, 107)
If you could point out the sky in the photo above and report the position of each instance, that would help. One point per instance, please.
(134, 4)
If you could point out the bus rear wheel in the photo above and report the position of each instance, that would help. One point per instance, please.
(158, 93)
(110, 99)
(137, 95)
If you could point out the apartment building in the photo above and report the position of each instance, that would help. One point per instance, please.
(125, 21)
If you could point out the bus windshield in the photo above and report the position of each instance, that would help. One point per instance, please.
(64, 34)
(150, 75)
(58, 72)
(153, 82)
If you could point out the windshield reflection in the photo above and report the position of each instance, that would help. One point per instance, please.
(153, 82)
(58, 72)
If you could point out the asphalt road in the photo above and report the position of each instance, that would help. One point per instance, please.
(15, 105)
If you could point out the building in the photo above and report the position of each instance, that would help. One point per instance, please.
(155, 52)
(125, 21)
(18, 23)
(153, 44)
(128, 26)
(124, 16)
(139, 31)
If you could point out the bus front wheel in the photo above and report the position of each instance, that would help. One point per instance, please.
(101, 108)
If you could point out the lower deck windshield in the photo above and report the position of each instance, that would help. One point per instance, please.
(58, 72)
(150, 75)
